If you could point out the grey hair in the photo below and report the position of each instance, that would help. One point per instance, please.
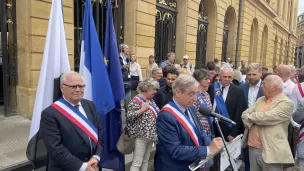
(225, 67)
(147, 83)
(64, 75)
(155, 70)
(121, 47)
(184, 82)
(237, 75)
(200, 74)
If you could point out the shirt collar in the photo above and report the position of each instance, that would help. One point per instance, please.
(273, 98)
(71, 103)
(225, 86)
(258, 84)
(179, 107)
(288, 82)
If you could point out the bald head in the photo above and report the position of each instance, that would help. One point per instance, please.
(68, 75)
(293, 71)
(272, 86)
(284, 72)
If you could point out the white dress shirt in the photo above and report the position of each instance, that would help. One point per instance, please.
(85, 164)
(225, 93)
(253, 93)
(298, 101)
(287, 89)
(135, 70)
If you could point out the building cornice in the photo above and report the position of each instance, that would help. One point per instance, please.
(265, 5)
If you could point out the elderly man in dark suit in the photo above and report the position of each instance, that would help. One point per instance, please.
(71, 129)
(181, 137)
(228, 100)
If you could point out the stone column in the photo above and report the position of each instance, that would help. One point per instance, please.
(32, 24)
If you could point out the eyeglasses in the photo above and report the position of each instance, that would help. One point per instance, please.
(74, 87)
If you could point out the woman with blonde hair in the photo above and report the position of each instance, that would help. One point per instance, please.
(141, 123)
(135, 71)
(237, 78)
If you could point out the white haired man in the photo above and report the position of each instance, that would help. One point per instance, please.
(266, 126)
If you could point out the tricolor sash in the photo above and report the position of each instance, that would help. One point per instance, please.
(220, 103)
(75, 116)
(184, 120)
(300, 90)
(201, 101)
(152, 108)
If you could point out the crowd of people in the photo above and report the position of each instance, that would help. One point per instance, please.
(266, 107)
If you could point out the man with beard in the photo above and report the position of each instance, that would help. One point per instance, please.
(165, 94)
(252, 91)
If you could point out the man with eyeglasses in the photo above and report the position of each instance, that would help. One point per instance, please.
(165, 94)
(71, 129)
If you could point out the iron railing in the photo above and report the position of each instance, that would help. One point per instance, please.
(99, 8)
(165, 29)
(8, 55)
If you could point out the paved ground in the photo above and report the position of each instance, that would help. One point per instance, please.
(14, 132)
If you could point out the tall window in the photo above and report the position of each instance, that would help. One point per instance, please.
(264, 46)
(165, 29)
(225, 40)
(99, 9)
(275, 50)
(201, 43)
(253, 41)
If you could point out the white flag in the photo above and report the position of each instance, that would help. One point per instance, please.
(54, 63)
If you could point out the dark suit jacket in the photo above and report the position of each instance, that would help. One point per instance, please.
(235, 107)
(245, 88)
(163, 96)
(175, 148)
(67, 145)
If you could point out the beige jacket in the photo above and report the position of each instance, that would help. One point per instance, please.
(273, 128)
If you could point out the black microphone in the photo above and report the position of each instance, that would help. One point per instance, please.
(207, 112)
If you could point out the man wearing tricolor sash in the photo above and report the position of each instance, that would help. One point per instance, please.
(182, 139)
(71, 129)
(298, 116)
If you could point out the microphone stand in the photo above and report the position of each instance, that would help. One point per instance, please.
(231, 160)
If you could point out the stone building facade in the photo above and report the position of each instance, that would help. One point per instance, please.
(201, 29)
(299, 52)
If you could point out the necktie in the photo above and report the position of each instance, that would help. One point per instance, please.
(186, 112)
(77, 106)
(223, 90)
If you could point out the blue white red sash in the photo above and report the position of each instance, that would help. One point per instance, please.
(186, 123)
(152, 108)
(75, 116)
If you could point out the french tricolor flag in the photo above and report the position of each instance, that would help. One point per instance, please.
(93, 66)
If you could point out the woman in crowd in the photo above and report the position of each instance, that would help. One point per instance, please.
(157, 73)
(203, 100)
(237, 78)
(152, 65)
(135, 71)
(141, 120)
(216, 78)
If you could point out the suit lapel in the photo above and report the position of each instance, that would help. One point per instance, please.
(230, 92)
(87, 110)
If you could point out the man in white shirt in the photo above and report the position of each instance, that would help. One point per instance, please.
(284, 72)
(252, 91)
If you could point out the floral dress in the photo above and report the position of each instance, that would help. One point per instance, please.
(143, 126)
(204, 120)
